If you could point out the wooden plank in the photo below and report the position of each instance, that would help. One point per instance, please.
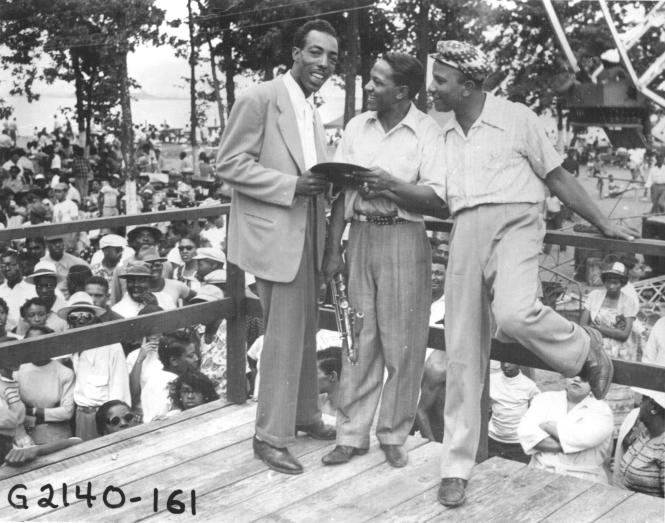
(238, 501)
(638, 508)
(32, 231)
(551, 497)
(366, 494)
(426, 506)
(204, 473)
(592, 503)
(205, 453)
(105, 441)
(125, 452)
(50, 345)
(579, 239)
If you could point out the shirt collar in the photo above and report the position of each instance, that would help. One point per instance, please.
(410, 120)
(296, 94)
(491, 115)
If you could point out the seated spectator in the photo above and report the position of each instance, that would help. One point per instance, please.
(97, 287)
(113, 250)
(187, 268)
(138, 293)
(45, 280)
(177, 353)
(15, 290)
(11, 397)
(4, 335)
(612, 311)
(568, 432)
(329, 366)
(209, 259)
(639, 459)
(191, 389)
(63, 261)
(169, 292)
(47, 390)
(101, 373)
(27, 262)
(76, 278)
(510, 395)
(654, 350)
(143, 362)
(36, 313)
(214, 232)
(114, 416)
(213, 341)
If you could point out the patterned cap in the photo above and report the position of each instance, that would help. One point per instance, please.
(470, 60)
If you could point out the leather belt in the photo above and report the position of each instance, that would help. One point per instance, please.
(379, 220)
(87, 410)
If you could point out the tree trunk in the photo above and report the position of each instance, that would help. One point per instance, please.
(193, 120)
(80, 95)
(229, 72)
(351, 64)
(423, 48)
(126, 127)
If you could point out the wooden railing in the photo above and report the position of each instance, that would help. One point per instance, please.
(236, 307)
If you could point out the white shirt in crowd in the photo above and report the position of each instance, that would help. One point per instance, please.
(15, 297)
(510, 398)
(585, 435)
(155, 397)
(101, 375)
(654, 350)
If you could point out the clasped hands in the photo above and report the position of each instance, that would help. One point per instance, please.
(373, 183)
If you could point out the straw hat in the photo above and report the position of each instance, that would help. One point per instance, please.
(43, 268)
(80, 300)
(658, 397)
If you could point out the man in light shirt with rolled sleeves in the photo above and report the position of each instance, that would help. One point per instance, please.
(388, 256)
(497, 162)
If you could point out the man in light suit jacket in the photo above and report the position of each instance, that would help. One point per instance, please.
(277, 232)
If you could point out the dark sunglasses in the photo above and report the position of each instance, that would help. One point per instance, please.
(115, 420)
(186, 247)
(75, 317)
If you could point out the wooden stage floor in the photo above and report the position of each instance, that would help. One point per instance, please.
(208, 450)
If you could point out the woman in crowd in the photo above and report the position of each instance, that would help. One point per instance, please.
(47, 390)
(568, 432)
(639, 459)
(186, 272)
(190, 390)
(329, 366)
(34, 313)
(4, 313)
(114, 416)
(612, 311)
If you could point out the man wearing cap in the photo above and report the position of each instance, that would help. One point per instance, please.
(15, 290)
(63, 261)
(138, 295)
(389, 258)
(209, 259)
(276, 232)
(169, 292)
(112, 247)
(101, 373)
(497, 162)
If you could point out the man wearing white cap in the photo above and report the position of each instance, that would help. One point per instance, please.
(210, 259)
(45, 279)
(497, 162)
(112, 250)
(101, 373)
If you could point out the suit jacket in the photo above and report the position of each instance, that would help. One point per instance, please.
(260, 158)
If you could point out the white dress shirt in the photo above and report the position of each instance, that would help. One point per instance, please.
(304, 112)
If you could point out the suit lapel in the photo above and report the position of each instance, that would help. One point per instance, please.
(288, 126)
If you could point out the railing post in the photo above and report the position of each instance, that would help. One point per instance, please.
(236, 358)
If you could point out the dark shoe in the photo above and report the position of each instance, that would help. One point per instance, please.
(318, 430)
(342, 454)
(598, 369)
(451, 492)
(395, 455)
(277, 459)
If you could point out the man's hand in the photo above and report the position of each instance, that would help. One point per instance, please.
(332, 264)
(18, 457)
(148, 298)
(375, 180)
(618, 230)
(310, 184)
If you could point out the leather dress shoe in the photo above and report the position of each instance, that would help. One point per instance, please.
(342, 454)
(451, 492)
(318, 430)
(598, 369)
(395, 455)
(277, 459)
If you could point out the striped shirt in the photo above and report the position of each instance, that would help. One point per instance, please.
(642, 467)
(505, 157)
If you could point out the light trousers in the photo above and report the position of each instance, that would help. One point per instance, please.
(289, 388)
(389, 281)
(492, 274)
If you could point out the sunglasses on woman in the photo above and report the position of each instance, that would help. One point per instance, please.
(115, 420)
(76, 317)
(186, 247)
